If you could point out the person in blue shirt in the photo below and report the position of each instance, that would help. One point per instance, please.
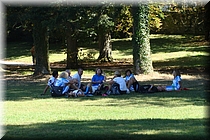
(176, 83)
(97, 80)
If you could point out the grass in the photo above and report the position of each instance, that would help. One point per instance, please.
(166, 50)
(174, 115)
(165, 115)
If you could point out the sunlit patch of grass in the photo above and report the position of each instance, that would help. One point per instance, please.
(160, 114)
(153, 36)
(165, 56)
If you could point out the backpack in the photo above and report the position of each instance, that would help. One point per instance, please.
(136, 86)
(56, 91)
(115, 89)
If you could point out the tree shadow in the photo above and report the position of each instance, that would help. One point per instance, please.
(188, 61)
(17, 49)
(151, 128)
(196, 95)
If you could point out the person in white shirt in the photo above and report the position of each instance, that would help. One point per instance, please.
(72, 82)
(51, 81)
(77, 77)
(130, 80)
(120, 81)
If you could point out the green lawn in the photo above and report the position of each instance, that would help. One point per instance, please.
(174, 115)
(166, 50)
(165, 115)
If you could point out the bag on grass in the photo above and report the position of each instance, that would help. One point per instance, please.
(136, 86)
(115, 89)
(56, 91)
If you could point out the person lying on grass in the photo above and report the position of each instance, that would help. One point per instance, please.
(76, 93)
(176, 85)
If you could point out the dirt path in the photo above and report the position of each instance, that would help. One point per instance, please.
(159, 73)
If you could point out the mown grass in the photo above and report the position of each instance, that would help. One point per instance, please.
(171, 115)
(166, 51)
(164, 115)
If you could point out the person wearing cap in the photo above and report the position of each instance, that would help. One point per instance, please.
(120, 81)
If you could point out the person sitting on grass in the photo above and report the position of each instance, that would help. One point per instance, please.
(77, 78)
(176, 83)
(130, 80)
(64, 84)
(119, 82)
(72, 82)
(97, 81)
(51, 81)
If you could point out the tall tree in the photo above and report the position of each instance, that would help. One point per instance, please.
(41, 43)
(41, 18)
(142, 62)
(104, 38)
(207, 21)
(72, 20)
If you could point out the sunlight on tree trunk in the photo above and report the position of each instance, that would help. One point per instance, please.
(105, 47)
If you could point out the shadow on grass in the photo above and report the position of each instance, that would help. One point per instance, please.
(197, 95)
(23, 49)
(160, 44)
(112, 129)
(189, 61)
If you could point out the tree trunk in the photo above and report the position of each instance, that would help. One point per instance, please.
(105, 47)
(142, 62)
(207, 21)
(72, 50)
(41, 42)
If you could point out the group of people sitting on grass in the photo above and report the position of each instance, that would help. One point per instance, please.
(71, 86)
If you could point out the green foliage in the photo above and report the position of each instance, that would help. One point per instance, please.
(156, 16)
(105, 23)
(124, 22)
(184, 19)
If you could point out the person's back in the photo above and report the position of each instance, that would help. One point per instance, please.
(176, 83)
(61, 82)
(51, 82)
(120, 80)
